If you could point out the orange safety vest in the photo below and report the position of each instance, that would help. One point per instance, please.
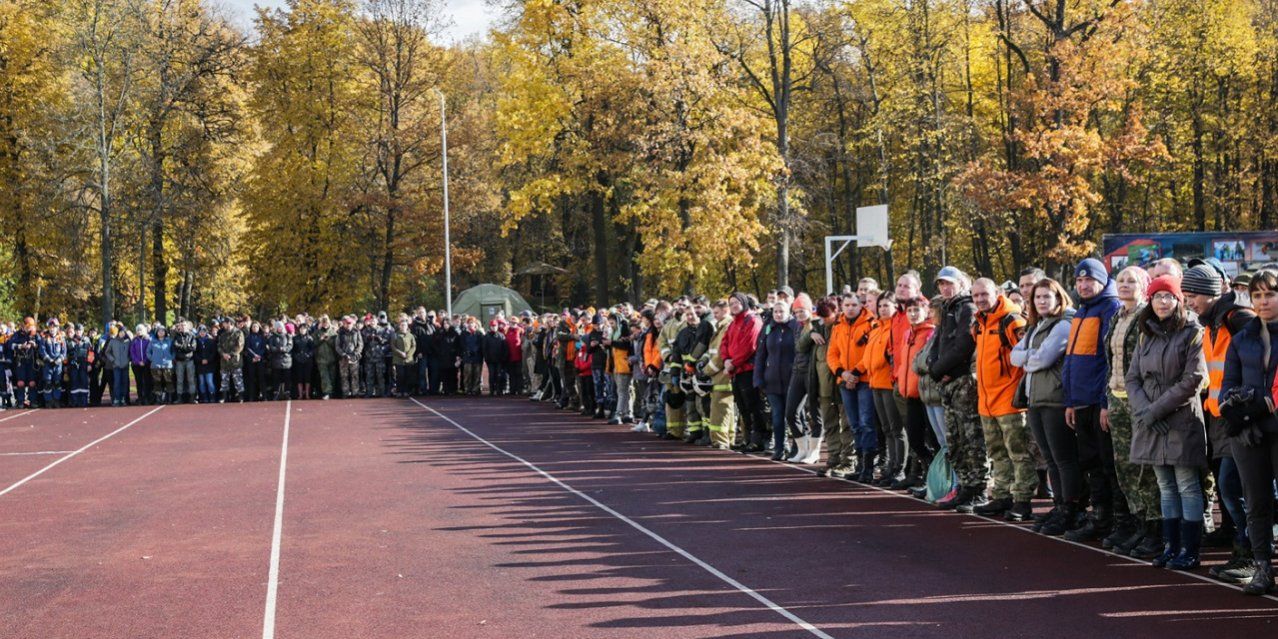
(1215, 345)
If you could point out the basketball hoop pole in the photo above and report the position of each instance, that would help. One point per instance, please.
(831, 254)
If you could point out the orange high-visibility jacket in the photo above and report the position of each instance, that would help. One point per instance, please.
(876, 363)
(996, 332)
(848, 340)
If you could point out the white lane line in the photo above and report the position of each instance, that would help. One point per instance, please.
(273, 582)
(1025, 529)
(28, 412)
(680, 551)
(79, 450)
(37, 452)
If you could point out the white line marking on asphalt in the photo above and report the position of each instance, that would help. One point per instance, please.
(78, 451)
(680, 551)
(272, 585)
(5, 419)
(37, 452)
(1130, 560)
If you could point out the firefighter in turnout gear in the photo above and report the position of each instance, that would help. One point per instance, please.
(721, 421)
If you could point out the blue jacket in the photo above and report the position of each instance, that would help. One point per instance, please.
(774, 359)
(471, 347)
(1085, 369)
(254, 346)
(1243, 364)
(160, 352)
(53, 351)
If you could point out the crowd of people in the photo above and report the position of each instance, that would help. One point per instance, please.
(1135, 402)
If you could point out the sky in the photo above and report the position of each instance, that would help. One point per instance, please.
(466, 17)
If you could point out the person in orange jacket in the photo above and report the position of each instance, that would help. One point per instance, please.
(848, 339)
(999, 326)
(876, 368)
(918, 313)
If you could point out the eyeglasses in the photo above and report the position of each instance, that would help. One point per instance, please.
(1164, 297)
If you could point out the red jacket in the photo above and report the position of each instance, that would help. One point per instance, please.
(740, 341)
(514, 344)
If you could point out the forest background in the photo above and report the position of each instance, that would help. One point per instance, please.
(158, 158)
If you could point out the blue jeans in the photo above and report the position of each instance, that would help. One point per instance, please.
(1181, 493)
(657, 418)
(858, 405)
(1231, 496)
(777, 402)
(207, 389)
(119, 384)
(936, 417)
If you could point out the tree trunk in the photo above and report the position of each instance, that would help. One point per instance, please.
(599, 223)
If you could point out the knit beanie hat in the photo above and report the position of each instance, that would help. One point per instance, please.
(1166, 284)
(1203, 280)
(1092, 267)
(802, 300)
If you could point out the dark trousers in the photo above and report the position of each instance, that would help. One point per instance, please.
(917, 432)
(1256, 468)
(1096, 457)
(515, 377)
(254, 380)
(141, 375)
(777, 400)
(1060, 450)
(749, 407)
(797, 402)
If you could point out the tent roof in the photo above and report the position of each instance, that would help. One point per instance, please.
(472, 300)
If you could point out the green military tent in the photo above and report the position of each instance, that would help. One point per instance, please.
(485, 300)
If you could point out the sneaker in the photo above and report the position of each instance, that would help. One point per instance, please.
(842, 471)
(614, 422)
(1239, 568)
(961, 495)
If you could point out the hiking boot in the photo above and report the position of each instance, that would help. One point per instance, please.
(1096, 527)
(1065, 520)
(1262, 578)
(1020, 511)
(703, 440)
(842, 471)
(976, 499)
(1125, 546)
(1123, 529)
(1041, 519)
(993, 507)
(1239, 567)
(1151, 545)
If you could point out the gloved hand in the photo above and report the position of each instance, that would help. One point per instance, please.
(689, 369)
(1160, 427)
(1249, 436)
(1140, 418)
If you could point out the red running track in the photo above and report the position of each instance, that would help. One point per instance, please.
(397, 523)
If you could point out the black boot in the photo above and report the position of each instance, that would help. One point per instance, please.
(1020, 511)
(1096, 526)
(1191, 540)
(1262, 580)
(1171, 542)
(1124, 527)
(1041, 519)
(1151, 545)
(994, 507)
(866, 475)
(1066, 520)
(1125, 546)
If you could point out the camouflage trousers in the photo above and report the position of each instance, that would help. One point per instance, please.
(722, 422)
(1007, 444)
(232, 376)
(349, 370)
(1138, 482)
(965, 442)
(374, 376)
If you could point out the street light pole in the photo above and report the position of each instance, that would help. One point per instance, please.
(448, 245)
